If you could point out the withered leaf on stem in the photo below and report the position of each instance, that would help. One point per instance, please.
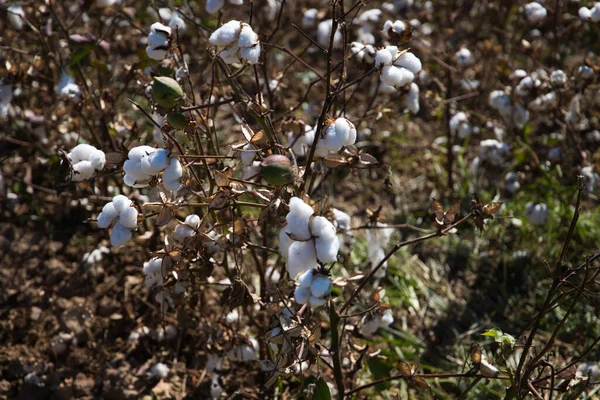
(404, 368)
(367, 159)
(222, 177)
(219, 201)
(335, 160)
(164, 216)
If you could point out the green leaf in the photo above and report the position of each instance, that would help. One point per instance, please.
(321, 391)
(500, 337)
(81, 53)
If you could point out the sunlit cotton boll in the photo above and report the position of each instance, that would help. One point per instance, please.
(158, 41)
(174, 171)
(108, 214)
(226, 34)
(320, 286)
(119, 235)
(326, 242)
(338, 134)
(591, 177)
(590, 14)
(385, 56)
(396, 76)
(487, 369)
(493, 152)
(558, 78)
(67, 87)
(309, 18)
(534, 12)
(177, 23)
(409, 61)
(364, 53)
(128, 217)
(301, 257)
(464, 57)
(213, 6)
(153, 272)
(537, 214)
(412, 99)
(6, 95)
(324, 34)
(244, 352)
(298, 219)
(371, 323)
(188, 228)
(15, 15)
(395, 27)
(585, 72)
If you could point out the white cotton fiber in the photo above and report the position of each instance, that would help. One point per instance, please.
(326, 242)
(321, 286)
(119, 235)
(172, 185)
(183, 231)
(153, 272)
(383, 57)
(301, 257)
(284, 242)
(247, 37)
(213, 6)
(302, 294)
(317, 301)
(81, 152)
(121, 202)
(138, 152)
(128, 217)
(396, 76)
(251, 54)
(108, 214)
(83, 170)
(193, 221)
(298, 219)
(305, 279)
(98, 159)
(226, 34)
(409, 61)
(174, 171)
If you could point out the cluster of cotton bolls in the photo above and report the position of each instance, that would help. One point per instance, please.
(213, 6)
(145, 162)
(300, 144)
(122, 215)
(153, 273)
(306, 239)
(158, 41)
(372, 322)
(515, 114)
(396, 68)
(240, 42)
(313, 288)
(537, 213)
(534, 12)
(86, 160)
(67, 87)
(590, 14)
(378, 239)
(188, 228)
(338, 134)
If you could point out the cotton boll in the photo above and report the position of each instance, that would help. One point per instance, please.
(284, 242)
(121, 202)
(128, 217)
(98, 159)
(81, 152)
(383, 57)
(177, 23)
(183, 231)
(134, 170)
(302, 294)
(370, 326)
(67, 87)
(558, 78)
(193, 220)
(107, 215)
(251, 54)
(309, 18)
(136, 153)
(537, 213)
(174, 171)
(396, 27)
(585, 13)
(301, 144)
(524, 86)
(511, 182)
(153, 272)
(83, 170)
(459, 123)
(247, 36)
(520, 116)
(412, 99)
(324, 33)
(244, 352)
(226, 34)
(230, 55)
(317, 301)
(395, 76)
(326, 243)
(158, 161)
(159, 370)
(172, 185)
(409, 61)
(464, 57)
(15, 15)
(305, 279)
(298, 219)
(213, 6)
(119, 235)
(535, 12)
(342, 219)
(591, 177)
(301, 257)
(386, 89)
(156, 54)
(585, 72)
(386, 319)
(321, 286)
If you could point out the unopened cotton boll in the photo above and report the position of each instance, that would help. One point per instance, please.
(298, 219)
(107, 215)
(119, 235)
(409, 61)
(534, 12)
(15, 15)
(226, 34)
(412, 99)
(301, 257)
(537, 214)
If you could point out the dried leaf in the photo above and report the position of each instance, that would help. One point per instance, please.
(219, 201)
(335, 160)
(164, 217)
(367, 159)
(115, 157)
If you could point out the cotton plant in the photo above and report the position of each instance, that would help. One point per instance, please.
(590, 14)
(393, 28)
(122, 216)
(378, 238)
(238, 41)
(371, 322)
(534, 12)
(306, 241)
(339, 133)
(86, 161)
(312, 288)
(396, 68)
(363, 53)
(144, 163)
(214, 6)
(158, 41)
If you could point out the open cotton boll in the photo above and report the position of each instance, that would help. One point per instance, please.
(121, 203)
(107, 215)
(284, 242)
(558, 78)
(302, 294)
(396, 76)
(464, 57)
(67, 87)
(298, 219)
(230, 55)
(174, 171)
(301, 257)
(248, 37)
(305, 279)
(383, 57)
(81, 152)
(364, 53)
(251, 54)
(537, 214)
(136, 153)
(213, 6)
(534, 12)
(183, 231)
(309, 18)
(346, 131)
(128, 217)
(15, 15)
(83, 170)
(320, 286)
(226, 34)
(135, 183)
(157, 27)
(153, 272)
(193, 221)
(177, 23)
(412, 99)
(119, 235)
(370, 325)
(396, 27)
(375, 255)
(342, 219)
(301, 144)
(409, 61)
(326, 243)
(98, 159)
(158, 161)
(324, 34)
